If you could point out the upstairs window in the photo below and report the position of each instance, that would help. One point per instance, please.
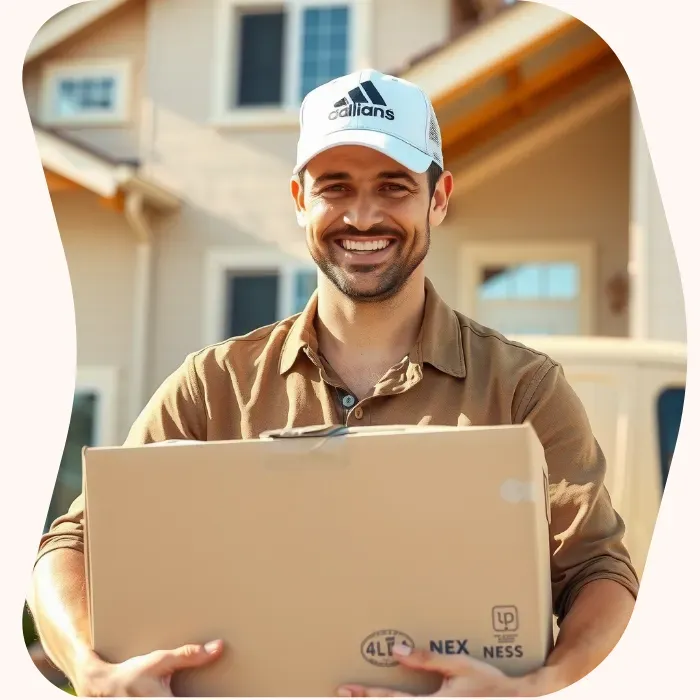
(280, 51)
(85, 93)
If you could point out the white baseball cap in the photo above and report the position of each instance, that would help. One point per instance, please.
(369, 108)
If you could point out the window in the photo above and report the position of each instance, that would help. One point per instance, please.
(252, 301)
(669, 412)
(324, 54)
(254, 298)
(261, 58)
(246, 289)
(531, 281)
(304, 286)
(85, 93)
(278, 51)
(81, 433)
(529, 289)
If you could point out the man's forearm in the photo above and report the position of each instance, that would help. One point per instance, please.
(589, 632)
(58, 603)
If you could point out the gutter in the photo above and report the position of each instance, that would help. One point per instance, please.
(143, 274)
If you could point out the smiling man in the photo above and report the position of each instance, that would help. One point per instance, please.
(375, 345)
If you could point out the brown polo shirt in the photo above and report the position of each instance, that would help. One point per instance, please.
(458, 373)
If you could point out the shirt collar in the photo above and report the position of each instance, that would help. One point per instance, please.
(439, 342)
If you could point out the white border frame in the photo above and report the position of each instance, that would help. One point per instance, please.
(121, 69)
(475, 255)
(220, 262)
(104, 381)
(287, 114)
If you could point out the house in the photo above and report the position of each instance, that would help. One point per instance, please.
(167, 132)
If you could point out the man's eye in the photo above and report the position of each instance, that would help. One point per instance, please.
(393, 187)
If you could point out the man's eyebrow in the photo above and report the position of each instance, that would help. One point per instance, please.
(396, 175)
(384, 175)
(332, 177)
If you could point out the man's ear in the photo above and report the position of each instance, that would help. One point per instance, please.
(441, 198)
(297, 190)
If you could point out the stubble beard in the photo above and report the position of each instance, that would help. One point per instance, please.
(389, 282)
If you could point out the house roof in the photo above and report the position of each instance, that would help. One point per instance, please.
(503, 71)
(485, 49)
(478, 20)
(70, 21)
(91, 170)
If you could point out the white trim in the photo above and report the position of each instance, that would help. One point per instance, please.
(244, 118)
(221, 261)
(95, 174)
(120, 69)
(103, 381)
(638, 266)
(143, 284)
(72, 20)
(76, 164)
(287, 114)
(475, 255)
(362, 18)
(469, 56)
(480, 169)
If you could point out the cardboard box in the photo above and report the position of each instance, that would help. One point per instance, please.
(312, 552)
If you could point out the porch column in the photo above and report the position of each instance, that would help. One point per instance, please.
(657, 309)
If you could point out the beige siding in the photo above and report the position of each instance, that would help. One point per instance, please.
(234, 182)
(576, 188)
(404, 29)
(99, 248)
(120, 36)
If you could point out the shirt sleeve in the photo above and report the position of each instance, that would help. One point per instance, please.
(586, 533)
(173, 413)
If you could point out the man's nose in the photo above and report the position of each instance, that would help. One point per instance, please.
(363, 213)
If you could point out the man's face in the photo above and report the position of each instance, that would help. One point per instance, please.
(367, 219)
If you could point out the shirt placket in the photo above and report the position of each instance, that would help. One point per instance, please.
(357, 412)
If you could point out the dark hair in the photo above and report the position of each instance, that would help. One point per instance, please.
(434, 174)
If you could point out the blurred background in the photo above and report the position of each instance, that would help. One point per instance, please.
(167, 132)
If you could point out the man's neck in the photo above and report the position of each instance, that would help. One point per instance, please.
(375, 336)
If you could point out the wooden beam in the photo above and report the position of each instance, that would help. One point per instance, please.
(550, 83)
(471, 174)
(507, 63)
(58, 183)
(115, 204)
(499, 122)
(553, 74)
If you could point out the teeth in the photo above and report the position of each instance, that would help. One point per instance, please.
(365, 245)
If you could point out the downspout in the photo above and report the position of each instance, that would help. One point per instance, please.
(136, 217)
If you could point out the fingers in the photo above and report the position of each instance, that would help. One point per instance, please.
(187, 656)
(448, 666)
(361, 691)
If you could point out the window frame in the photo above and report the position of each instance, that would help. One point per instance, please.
(222, 262)
(474, 256)
(226, 60)
(120, 69)
(103, 381)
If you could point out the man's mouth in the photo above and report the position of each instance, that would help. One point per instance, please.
(364, 245)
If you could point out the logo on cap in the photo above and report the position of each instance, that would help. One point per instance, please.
(369, 103)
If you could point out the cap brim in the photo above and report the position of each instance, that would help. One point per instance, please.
(403, 153)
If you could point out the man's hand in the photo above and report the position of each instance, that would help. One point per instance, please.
(463, 677)
(145, 676)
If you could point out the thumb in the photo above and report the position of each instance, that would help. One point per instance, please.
(448, 666)
(187, 656)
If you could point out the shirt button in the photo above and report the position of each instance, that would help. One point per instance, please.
(348, 401)
(359, 413)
